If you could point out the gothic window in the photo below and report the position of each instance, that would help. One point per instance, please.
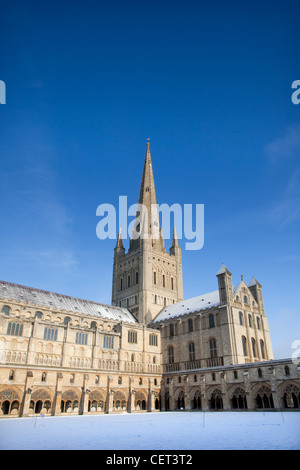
(244, 344)
(155, 299)
(11, 375)
(211, 319)
(259, 373)
(38, 315)
(171, 330)
(72, 378)
(50, 334)
(93, 325)
(191, 351)
(287, 370)
(140, 381)
(97, 379)
(190, 325)
(43, 377)
(241, 318)
(262, 349)
(172, 283)
(213, 347)
(245, 299)
(253, 347)
(154, 277)
(119, 380)
(137, 277)
(235, 374)
(171, 355)
(132, 357)
(108, 342)
(128, 281)
(132, 336)
(164, 280)
(213, 377)
(165, 301)
(250, 320)
(14, 329)
(81, 338)
(121, 284)
(6, 310)
(153, 339)
(258, 323)
(195, 378)
(67, 320)
(154, 360)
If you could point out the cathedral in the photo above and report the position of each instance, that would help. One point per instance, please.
(151, 350)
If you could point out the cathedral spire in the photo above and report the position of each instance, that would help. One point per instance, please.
(147, 224)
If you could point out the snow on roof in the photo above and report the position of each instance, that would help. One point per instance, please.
(202, 302)
(41, 298)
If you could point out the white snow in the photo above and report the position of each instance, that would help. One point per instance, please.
(154, 431)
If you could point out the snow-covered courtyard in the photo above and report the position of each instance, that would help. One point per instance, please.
(154, 431)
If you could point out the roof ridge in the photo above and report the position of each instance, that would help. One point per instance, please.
(56, 293)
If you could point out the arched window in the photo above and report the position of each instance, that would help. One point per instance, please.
(287, 370)
(190, 325)
(44, 377)
(191, 351)
(93, 325)
(253, 342)
(244, 344)
(132, 357)
(128, 281)
(259, 373)
(11, 375)
(241, 318)
(213, 347)
(67, 320)
(164, 280)
(250, 320)
(245, 299)
(171, 355)
(258, 323)
(38, 315)
(6, 310)
(132, 336)
(119, 380)
(154, 360)
(262, 349)
(171, 330)
(211, 320)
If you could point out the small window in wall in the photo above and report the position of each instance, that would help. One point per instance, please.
(108, 342)
(190, 325)
(38, 315)
(5, 310)
(137, 277)
(43, 377)
(164, 280)
(171, 329)
(11, 375)
(15, 329)
(132, 336)
(154, 277)
(211, 320)
(153, 339)
(172, 283)
(81, 338)
(245, 299)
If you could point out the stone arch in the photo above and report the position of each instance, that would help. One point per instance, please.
(40, 401)
(96, 401)
(140, 401)
(263, 396)
(10, 400)
(120, 401)
(290, 395)
(70, 401)
(215, 400)
(238, 398)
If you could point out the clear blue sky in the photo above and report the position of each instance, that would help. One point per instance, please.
(209, 82)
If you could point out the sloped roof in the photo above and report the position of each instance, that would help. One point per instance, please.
(42, 298)
(202, 302)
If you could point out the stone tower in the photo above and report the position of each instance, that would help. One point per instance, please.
(147, 278)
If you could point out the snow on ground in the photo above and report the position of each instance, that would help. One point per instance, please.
(154, 431)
